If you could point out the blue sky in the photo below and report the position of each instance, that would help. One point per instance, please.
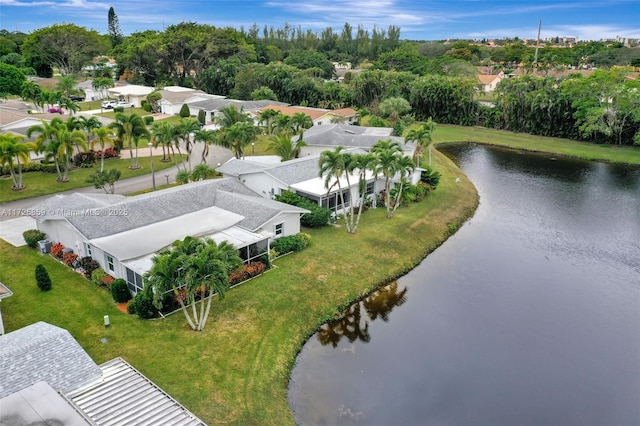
(418, 19)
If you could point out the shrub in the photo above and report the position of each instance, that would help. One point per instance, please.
(118, 109)
(84, 159)
(290, 244)
(430, 177)
(184, 111)
(97, 275)
(108, 153)
(32, 236)
(56, 250)
(119, 291)
(143, 306)
(69, 258)
(148, 119)
(147, 107)
(202, 117)
(88, 265)
(318, 217)
(244, 272)
(131, 307)
(42, 278)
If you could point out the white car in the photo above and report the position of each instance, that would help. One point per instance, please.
(109, 104)
(125, 104)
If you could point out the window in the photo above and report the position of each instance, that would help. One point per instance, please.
(110, 265)
(279, 230)
(370, 186)
(88, 249)
(134, 281)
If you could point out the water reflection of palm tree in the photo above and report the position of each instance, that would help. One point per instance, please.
(349, 326)
(381, 302)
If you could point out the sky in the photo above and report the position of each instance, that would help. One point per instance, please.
(417, 19)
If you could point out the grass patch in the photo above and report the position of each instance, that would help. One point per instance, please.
(110, 113)
(40, 183)
(584, 150)
(236, 371)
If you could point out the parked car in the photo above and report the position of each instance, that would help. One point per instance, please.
(125, 104)
(109, 104)
(76, 98)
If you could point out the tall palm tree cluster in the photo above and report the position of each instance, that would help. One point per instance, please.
(192, 269)
(282, 129)
(48, 98)
(386, 159)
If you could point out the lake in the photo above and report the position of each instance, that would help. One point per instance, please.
(528, 315)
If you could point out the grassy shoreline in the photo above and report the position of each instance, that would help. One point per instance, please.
(236, 371)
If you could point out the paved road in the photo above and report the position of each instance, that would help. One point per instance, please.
(216, 155)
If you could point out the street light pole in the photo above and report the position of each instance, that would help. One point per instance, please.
(253, 148)
(153, 174)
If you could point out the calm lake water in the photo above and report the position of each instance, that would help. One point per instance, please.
(529, 315)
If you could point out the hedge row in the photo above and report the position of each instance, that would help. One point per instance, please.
(318, 217)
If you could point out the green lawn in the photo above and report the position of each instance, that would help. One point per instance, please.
(584, 150)
(40, 183)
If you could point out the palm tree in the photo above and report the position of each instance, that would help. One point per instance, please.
(65, 141)
(103, 136)
(46, 141)
(237, 137)
(207, 137)
(184, 130)
(164, 134)
(66, 85)
(422, 138)
(362, 163)
(299, 123)
(69, 105)
(405, 167)
(192, 267)
(268, 117)
(387, 154)
(230, 115)
(88, 124)
(202, 171)
(130, 128)
(333, 165)
(284, 147)
(13, 147)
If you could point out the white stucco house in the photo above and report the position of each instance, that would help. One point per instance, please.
(173, 97)
(301, 176)
(123, 233)
(212, 107)
(131, 93)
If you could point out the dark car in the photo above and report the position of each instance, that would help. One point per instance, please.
(76, 98)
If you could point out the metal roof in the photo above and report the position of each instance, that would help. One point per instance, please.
(126, 397)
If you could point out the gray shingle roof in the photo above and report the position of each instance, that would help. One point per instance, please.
(125, 396)
(348, 136)
(43, 352)
(218, 104)
(256, 210)
(235, 167)
(153, 207)
(295, 171)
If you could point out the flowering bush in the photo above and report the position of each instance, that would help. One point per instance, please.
(56, 250)
(69, 258)
(108, 153)
(245, 272)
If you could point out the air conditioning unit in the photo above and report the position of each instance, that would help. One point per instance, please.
(44, 246)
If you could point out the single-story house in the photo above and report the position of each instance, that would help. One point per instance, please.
(91, 94)
(301, 176)
(488, 82)
(212, 107)
(173, 97)
(19, 121)
(130, 93)
(123, 233)
(319, 116)
(329, 137)
(47, 378)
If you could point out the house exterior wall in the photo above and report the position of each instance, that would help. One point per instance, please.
(290, 222)
(61, 231)
(263, 184)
